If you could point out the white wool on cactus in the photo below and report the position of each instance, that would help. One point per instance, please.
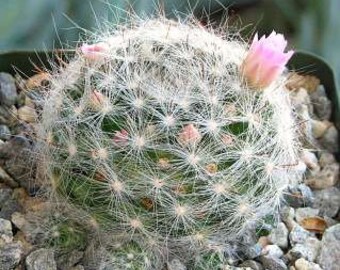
(158, 136)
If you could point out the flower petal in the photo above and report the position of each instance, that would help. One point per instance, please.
(266, 58)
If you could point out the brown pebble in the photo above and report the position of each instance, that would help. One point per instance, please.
(263, 241)
(27, 114)
(296, 81)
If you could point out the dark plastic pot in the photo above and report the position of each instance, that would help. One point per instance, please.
(309, 63)
(28, 63)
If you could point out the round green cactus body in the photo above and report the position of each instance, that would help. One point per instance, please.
(158, 137)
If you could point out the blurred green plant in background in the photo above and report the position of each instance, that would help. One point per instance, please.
(39, 24)
(44, 24)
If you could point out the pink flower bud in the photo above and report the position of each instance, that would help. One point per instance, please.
(265, 60)
(189, 135)
(121, 138)
(95, 51)
(97, 100)
(227, 139)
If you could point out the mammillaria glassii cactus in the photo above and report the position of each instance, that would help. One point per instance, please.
(172, 138)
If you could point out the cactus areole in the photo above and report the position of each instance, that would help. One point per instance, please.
(171, 137)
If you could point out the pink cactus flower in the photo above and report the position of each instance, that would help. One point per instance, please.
(121, 138)
(265, 60)
(95, 51)
(189, 135)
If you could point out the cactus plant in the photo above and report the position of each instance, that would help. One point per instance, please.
(156, 132)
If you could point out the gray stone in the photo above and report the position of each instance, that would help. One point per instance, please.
(300, 99)
(5, 195)
(326, 158)
(8, 90)
(273, 263)
(287, 215)
(319, 128)
(298, 235)
(251, 252)
(272, 250)
(8, 203)
(20, 169)
(17, 153)
(77, 267)
(330, 221)
(41, 259)
(68, 260)
(20, 221)
(305, 212)
(328, 201)
(8, 208)
(330, 140)
(27, 114)
(312, 249)
(7, 179)
(294, 254)
(310, 159)
(6, 234)
(305, 127)
(327, 177)
(309, 250)
(229, 267)
(299, 196)
(279, 236)
(322, 105)
(302, 264)
(330, 249)
(10, 255)
(175, 264)
(14, 147)
(8, 115)
(5, 133)
(287, 258)
(254, 265)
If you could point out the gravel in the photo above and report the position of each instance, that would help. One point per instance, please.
(327, 177)
(330, 140)
(299, 196)
(6, 234)
(251, 252)
(273, 251)
(298, 235)
(279, 236)
(41, 259)
(8, 207)
(254, 265)
(322, 105)
(7, 179)
(5, 133)
(10, 255)
(305, 212)
(302, 264)
(309, 250)
(327, 201)
(69, 260)
(8, 90)
(272, 263)
(330, 249)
